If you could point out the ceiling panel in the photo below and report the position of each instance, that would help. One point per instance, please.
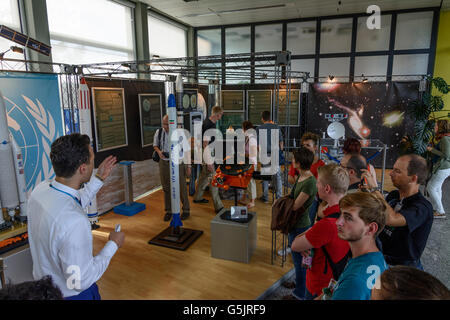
(219, 12)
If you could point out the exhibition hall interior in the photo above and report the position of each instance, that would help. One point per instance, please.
(224, 150)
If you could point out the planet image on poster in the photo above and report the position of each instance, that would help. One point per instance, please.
(194, 101)
(186, 101)
(393, 119)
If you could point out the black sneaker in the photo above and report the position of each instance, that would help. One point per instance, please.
(94, 226)
(217, 211)
(185, 215)
(201, 201)
(264, 200)
(167, 216)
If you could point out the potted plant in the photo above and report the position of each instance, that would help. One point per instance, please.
(423, 110)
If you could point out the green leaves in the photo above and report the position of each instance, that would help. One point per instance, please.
(421, 110)
(439, 84)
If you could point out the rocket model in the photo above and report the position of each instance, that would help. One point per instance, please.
(174, 164)
(12, 179)
(84, 109)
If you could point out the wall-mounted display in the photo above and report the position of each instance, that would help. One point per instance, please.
(233, 100)
(233, 119)
(294, 108)
(110, 119)
(150, 112)
(257, 102)
(190, 99)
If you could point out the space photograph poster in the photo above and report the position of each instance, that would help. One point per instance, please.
(376, 110)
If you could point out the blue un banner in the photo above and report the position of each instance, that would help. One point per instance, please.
(34, 120)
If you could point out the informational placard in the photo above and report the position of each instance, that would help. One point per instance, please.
(294, 108)
(257, 102)
(230, 119)
(190, 99)
(110, 119)
(233, 100)
(150, 111)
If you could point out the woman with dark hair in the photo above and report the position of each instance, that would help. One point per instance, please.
(441, 168)
(352, 145)
(251, 151)
(304, 191)
(408, 283)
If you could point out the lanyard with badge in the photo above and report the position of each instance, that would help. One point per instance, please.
(73, 197)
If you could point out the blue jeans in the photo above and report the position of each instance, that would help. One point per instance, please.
(300, 273)
(276, 182)
(313, 210)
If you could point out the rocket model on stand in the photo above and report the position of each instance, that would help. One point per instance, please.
(174, 165)
(84, 111)
(12, 178)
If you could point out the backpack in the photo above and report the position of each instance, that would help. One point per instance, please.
(155, 155)
(283, 217)
(338, 267)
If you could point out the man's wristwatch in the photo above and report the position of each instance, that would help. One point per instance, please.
(99, 177)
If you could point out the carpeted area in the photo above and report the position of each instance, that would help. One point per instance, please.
(435, 258)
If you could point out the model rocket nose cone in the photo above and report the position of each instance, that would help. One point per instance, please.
(179, 83)
(171, 101)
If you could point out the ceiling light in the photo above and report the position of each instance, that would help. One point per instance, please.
(13, 49)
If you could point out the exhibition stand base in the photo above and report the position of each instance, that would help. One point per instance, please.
(129, 210)
(180, 241)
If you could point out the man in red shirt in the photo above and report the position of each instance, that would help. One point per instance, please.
(332, 184)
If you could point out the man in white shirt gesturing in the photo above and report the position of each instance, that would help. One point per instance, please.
(59, 231)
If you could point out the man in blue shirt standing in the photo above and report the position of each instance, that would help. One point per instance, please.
(363, 216)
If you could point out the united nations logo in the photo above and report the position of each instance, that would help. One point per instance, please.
(34, 130)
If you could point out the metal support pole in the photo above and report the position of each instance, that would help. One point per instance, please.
(384, 168)
(128, 184)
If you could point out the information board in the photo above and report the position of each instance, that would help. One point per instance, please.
(190, 99)
(233, 119)
(150, 111)
(257, 102)
(110, 120)
(233, 100)
(294, 108)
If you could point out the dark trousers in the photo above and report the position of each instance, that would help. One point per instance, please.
(164, 174)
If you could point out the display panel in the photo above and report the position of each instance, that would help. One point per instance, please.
(150, 111)
(294, 108)
(257, 102)
(190, 99)
(233, 100)
(110, 120)
(233, 119)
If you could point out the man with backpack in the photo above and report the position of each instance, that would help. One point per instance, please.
(161, 144)
(330, 253)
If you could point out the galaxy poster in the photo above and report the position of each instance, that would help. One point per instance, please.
(375, 110)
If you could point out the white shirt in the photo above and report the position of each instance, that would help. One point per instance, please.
(163, 144)
(60, 237)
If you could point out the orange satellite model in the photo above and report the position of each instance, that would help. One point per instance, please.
(233, 175)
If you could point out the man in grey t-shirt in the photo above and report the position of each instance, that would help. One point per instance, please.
(267, 126)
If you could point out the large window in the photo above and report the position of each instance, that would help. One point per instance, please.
(166, 39)
(268, 37)
(90, 31)
(9, 16)
(209, 42)
(345, 48)
(237, 40)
